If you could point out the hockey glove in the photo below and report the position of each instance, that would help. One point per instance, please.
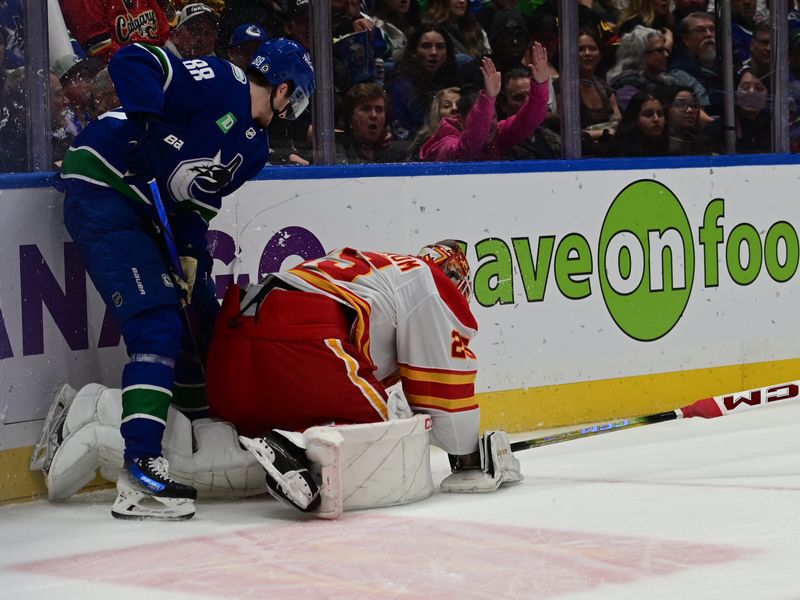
(186, 284)
(498, 465)
(155, 149)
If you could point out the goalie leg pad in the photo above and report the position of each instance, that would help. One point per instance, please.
(79, 456)
(371, 465)
(52, 434)
(84, 407)
(220, 467)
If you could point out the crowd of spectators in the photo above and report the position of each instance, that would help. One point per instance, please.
(404, 71)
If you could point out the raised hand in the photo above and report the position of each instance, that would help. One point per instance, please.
(492, 79)
(540, 68)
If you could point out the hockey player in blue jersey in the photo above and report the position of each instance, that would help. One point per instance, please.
(196, 127)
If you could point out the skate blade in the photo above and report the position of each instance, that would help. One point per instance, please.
(59, 406)
(150, 517)
(136, 507)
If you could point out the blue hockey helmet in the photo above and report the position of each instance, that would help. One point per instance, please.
(281, 60)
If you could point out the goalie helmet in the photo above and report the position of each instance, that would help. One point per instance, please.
(448, 256)
(282, 60)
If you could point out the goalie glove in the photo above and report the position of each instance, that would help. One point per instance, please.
(498, 465)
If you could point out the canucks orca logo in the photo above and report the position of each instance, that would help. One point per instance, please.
(199, 178)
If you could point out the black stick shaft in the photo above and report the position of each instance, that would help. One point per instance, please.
(594, 430)
(187, 310)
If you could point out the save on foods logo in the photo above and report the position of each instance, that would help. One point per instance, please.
(646, 257)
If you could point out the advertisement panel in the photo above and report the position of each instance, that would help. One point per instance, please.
(583, 281)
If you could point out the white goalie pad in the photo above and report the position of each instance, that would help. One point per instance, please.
(370, 465)
(219, 467)
(78, 458)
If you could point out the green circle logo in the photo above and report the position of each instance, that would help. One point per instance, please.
(646, 260)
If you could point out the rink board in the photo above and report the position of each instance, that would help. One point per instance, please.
(598, 293)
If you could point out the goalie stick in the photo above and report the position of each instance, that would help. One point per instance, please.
(707, 408)
(189, 316)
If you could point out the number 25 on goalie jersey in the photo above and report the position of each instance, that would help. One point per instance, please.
(411, 322)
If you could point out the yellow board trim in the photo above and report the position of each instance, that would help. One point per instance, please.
(18, 483)
(606, 399)
(532, 408)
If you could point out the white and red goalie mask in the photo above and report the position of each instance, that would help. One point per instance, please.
(448, 256)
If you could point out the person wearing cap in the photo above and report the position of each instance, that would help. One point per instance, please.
(195, 130)
(102, 27)
(196, 32)
(245, 41)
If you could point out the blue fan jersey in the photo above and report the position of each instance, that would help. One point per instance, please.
(208, 100)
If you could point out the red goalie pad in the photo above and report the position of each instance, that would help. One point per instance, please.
(292, 366)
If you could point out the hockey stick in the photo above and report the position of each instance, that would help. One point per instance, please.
(188, 313)
(706, 408)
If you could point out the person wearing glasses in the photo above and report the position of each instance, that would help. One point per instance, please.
(642, 60)
(694, 62)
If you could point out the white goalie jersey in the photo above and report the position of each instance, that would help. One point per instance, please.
(413, 325)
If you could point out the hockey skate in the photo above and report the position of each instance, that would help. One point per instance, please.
(52, 430)
(145, 491)
(288, 477)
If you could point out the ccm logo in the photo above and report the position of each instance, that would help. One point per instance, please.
(754, 397)
(428, 423)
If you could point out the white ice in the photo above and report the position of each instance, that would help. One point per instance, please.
(684, 509)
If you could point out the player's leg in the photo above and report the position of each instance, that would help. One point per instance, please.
(127, 269)
(189, 393)
(203, 453)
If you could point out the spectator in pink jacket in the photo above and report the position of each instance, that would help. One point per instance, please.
(476, 134)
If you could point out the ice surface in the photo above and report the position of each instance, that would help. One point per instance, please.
(685, 509)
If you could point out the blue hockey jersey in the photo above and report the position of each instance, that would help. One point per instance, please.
(208, 100)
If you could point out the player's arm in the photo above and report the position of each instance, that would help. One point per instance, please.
(437, 333)
(438, 369)
(141, 74)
